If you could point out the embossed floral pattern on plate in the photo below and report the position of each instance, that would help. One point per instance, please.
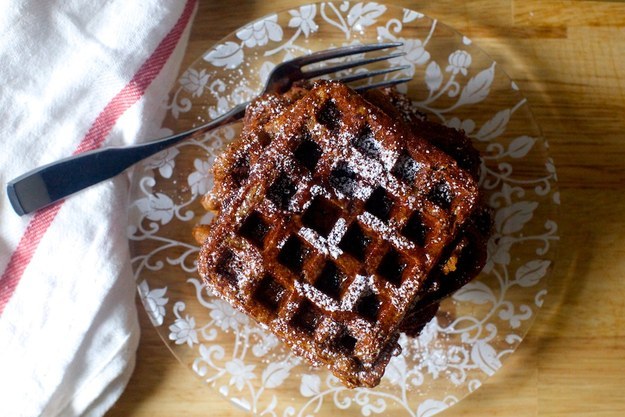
(475, 331)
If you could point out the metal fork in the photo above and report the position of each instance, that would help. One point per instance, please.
(45, 185)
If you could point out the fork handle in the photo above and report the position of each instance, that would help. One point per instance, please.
(50, 183)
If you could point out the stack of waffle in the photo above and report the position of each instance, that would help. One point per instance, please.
(341, 221)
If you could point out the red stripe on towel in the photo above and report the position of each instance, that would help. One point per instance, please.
(94, 138)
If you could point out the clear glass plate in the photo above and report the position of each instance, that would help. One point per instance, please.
(474, 332)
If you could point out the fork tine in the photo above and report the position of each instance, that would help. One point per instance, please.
(347, 65)
(380, 84)
(341, 52)
(370, 74)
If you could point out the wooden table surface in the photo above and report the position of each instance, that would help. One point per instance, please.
(568, 58)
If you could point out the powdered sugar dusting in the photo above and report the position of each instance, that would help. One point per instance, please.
(335, 237)
(318, 242)
(317, 297)
(387, 232)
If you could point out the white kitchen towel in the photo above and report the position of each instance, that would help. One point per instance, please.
(75, 75)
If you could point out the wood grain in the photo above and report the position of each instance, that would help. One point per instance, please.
(568, 57)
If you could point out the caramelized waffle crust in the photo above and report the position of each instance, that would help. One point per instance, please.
(332, 232)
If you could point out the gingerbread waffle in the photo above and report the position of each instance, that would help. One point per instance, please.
(460, 263)
(324, 242)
